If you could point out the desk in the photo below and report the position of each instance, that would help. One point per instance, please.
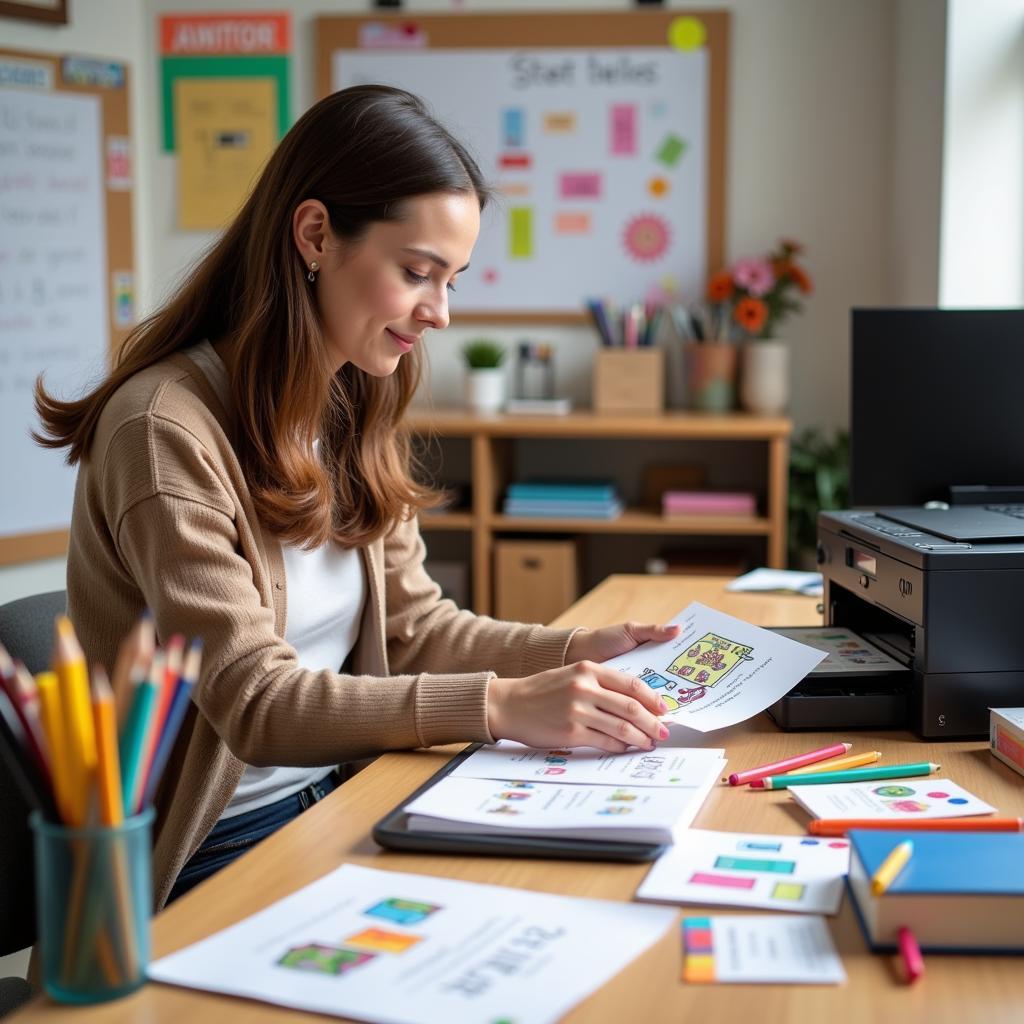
(955, 990)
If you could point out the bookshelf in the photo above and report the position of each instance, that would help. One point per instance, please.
(492, 465)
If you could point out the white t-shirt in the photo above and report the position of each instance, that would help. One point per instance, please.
(326, 593)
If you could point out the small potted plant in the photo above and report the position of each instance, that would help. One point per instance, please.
(485, 374)
(753, 297)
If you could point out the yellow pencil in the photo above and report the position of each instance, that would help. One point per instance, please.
(850, 761)
(73, 675)
(53, 727)
(108, 765)
(891, 867)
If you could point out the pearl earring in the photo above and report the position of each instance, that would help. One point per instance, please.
(313, 268)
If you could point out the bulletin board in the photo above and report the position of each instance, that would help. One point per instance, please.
(67, 285)
(602, 132)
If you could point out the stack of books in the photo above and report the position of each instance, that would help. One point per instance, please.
(708, 503)
(563, 500)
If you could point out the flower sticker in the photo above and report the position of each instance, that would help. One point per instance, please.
(646, 237)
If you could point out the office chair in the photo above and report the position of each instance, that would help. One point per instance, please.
(26, 630)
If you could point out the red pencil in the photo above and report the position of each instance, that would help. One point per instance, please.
(910, 953)
(840, 826)
(742, 778)
(17, 682)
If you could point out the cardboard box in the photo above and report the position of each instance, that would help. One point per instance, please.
(629, 380)
(1006, 736)
(534, 580)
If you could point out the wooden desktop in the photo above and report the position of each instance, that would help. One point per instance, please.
(955, 989)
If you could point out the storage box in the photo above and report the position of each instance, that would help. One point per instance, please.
(629, 380)
(1006, 736)
(534, 581)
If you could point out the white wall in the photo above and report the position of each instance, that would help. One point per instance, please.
(983, 184)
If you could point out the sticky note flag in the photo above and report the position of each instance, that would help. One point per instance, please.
(572, 223)
(514, 126)
(623, 129)
(687, 33)
(560, 122)
(520, 232)
(671, 150)
(585, 186)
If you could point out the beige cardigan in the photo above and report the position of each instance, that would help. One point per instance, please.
(163, 518)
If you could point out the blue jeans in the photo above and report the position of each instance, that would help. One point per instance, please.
(231, 837)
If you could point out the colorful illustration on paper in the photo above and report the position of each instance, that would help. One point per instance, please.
(646, 237)
(401, 911)
(673, 694)
(710, 659)
(320, 959)
(378, 940)
(895, 790)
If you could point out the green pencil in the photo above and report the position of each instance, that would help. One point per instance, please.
(895, 771)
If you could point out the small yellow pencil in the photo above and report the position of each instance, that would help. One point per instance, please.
(891, 867)
(108, 764)
(69, 664)
(53, 727)
(850, 761)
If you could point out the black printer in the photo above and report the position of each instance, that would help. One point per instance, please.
(949, 609)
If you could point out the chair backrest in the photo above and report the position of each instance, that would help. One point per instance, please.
(26, 630)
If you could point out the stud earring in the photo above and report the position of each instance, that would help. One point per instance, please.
(313, 268)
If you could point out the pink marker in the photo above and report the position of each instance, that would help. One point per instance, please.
(910, 952)
(811, 757)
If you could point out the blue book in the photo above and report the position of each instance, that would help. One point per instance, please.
(563, 490)
(563, 509)
(960, 892)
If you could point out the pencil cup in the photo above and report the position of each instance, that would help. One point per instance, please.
(93, 902)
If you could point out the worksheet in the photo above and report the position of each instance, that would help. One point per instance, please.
(796, 873)
(719, 670)
(411, 949)
(889, 798)
(679, 767)
(764, 949)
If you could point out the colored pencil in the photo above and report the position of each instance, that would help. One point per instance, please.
(778, 767)
(887, 872)
(840, 826)
(175, 716)
(53, 725)
(167, 687)
(73, 677)
(17, 682)
(15, 751)
(134, 654)
(840, 763)
(896, 771)
(134, 734)
(108, 763)
(910, 954)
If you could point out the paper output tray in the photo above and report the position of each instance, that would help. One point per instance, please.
(392, 833)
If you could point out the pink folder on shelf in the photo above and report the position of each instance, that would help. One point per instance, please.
(708, 503)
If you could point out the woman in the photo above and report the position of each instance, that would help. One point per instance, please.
(242, 473)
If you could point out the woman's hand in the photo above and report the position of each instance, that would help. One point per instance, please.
(602, 644)
(580, 705)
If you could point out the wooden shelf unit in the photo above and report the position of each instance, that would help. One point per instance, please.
(489, 438)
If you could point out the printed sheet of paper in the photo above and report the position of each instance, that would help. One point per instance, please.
(719, 670)
(844, 651)
(680, 767)
(760, 949)
(798, 873)
(410, 949)
(634, 813)
(889, 798)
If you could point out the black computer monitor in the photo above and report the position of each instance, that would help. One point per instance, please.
(937, 400)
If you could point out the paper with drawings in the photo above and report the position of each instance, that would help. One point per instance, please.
(889, 798)
(410, 949)
(799, 873)
(719, 670)
(664, 766)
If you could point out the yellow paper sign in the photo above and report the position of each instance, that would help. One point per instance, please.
(226, 130)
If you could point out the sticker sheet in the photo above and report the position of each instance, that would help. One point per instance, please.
(890, 798)
(794, 873)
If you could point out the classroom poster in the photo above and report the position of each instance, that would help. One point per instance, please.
(599, 157)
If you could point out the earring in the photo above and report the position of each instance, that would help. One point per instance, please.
(313, 268)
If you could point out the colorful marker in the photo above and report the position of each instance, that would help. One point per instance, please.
(822, 754)
(896, 771)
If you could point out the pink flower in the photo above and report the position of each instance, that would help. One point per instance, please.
(754, 275)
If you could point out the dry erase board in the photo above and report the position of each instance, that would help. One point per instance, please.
(66, 268)
(603, 134)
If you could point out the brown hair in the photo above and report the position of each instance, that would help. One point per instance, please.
(360, 152)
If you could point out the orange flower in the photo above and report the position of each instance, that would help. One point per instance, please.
(720, 287)
(800, 279)
(750, 314)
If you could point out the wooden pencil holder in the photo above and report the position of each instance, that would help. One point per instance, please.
(629, 380)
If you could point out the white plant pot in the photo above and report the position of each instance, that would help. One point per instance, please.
(764, 377)
(485, 389)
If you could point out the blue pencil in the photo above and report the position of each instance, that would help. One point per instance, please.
(132, 745)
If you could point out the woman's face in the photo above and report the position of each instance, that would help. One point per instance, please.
(379, 295)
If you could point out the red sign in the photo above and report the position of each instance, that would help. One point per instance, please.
(200, 35)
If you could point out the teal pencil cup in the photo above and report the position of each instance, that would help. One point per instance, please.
(93, 907)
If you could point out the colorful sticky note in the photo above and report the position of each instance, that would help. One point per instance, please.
(513, 126)
(623, 129)
(671, 150)
(560, 122)
(520, 232)
(579, 186)
(577, 223)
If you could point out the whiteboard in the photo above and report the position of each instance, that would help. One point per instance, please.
(600, 158)
(53, 298)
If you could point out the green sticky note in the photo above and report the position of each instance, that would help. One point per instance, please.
(788, 891)
(670, 151)
(520, 232)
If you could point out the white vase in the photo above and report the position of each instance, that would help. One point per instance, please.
(764, 377)
(485, 389)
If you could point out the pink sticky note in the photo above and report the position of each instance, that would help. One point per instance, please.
(725, 881)
(572, 223)
(580, 186)
(623, 128)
